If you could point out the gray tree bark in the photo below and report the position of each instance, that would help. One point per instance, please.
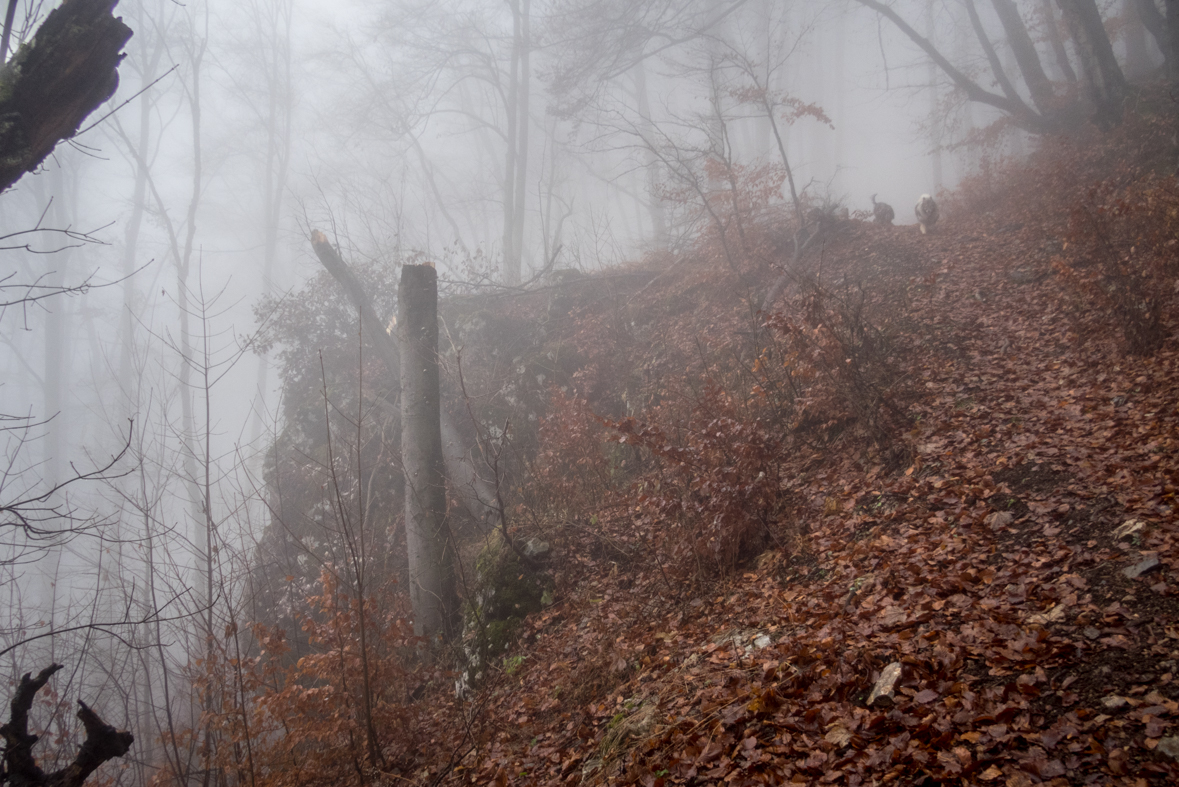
(1054, 38)
(1025, 55)
(992, 56)
(467, 475)
(1138, 63)
(274, 32)
(1104, 81)
(1156, 24)
(651, 164)
(1171, 45)
(1022, 114)
(516, 166)
(431, 553)
(151, 51)
(520, 190)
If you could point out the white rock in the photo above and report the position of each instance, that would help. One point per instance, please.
(886, 685)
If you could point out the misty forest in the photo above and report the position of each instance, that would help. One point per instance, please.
(559, 392)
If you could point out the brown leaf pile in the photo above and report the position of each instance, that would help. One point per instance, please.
(1041, 464)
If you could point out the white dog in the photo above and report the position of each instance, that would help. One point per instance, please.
(926, 211)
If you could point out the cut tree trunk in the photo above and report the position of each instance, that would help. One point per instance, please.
(468, 476)
(103, 742)
(431, 553)
(56, 81)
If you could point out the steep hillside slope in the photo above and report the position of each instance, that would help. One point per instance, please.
(1001, 539)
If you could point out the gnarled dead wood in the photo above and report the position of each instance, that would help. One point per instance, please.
(55, 81)
(103, 742)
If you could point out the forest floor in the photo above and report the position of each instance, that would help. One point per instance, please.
(1020, 565)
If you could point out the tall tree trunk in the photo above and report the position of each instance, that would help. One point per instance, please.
(431, 570)
(1172, 48)
(151, 49)
(988, 47)
(1104, 80)
(57, 331)
(651, 163)
(1054, 38)
(935, 123)
(1023, 115)
(59, 323)
(1138, 63)
(521, 189)
(192, 451)
(511, 271)
(280, 100)
(1155, 23)
(839, 83)
(9, 17)
(1025, 56)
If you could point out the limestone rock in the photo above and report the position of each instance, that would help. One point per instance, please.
(1114, 702)
(535, 548)
(884, 692)
(1143, 566)
(1129, 527)
(1054, 615)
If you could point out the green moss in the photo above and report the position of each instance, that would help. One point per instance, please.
(507, 588)
(497, 635)
(506, 591)
(8, 77)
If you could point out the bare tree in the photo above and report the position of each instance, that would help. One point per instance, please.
(1048, 112)
(140, 150)
(266, 88)
(594, 44)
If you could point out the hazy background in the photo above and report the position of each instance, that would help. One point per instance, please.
(240, 126)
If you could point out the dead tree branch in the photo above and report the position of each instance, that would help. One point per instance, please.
(103, 742)
(55, 82)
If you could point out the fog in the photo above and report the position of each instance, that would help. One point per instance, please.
(239, 127)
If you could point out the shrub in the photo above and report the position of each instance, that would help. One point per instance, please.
(1122, 259)
(714, 487)
(838, 368)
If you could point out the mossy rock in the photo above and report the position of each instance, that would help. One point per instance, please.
(506, 591)
(505, 587)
